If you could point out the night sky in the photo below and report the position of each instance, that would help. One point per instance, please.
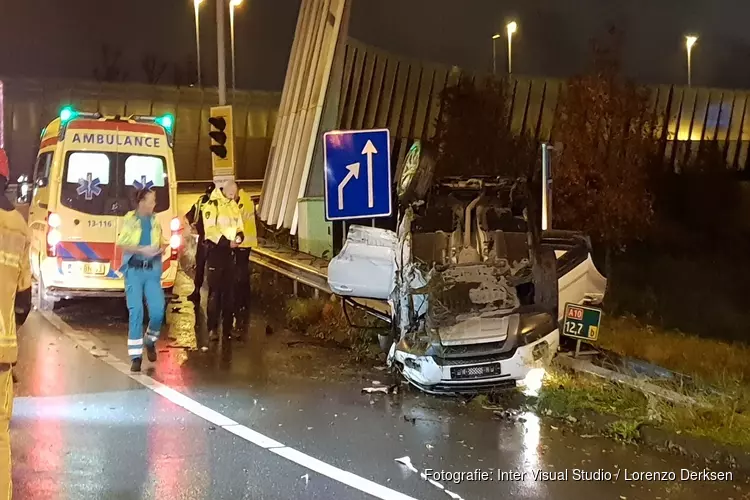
(62, 38)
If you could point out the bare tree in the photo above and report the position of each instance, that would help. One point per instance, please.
(186, 72)
(109, 67)
(474, 133)
(603, 176)
(153, 68)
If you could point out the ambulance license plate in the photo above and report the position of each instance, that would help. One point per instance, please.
(94, 269)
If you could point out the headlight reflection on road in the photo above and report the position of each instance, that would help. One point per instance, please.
(531, 438)
(532, 384)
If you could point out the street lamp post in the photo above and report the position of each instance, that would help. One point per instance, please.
(197, 5)
(689, 42)
(221, 51)
(232, 6)
(494, 53)
(511, 27)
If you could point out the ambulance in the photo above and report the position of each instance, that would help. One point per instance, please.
(87, 172)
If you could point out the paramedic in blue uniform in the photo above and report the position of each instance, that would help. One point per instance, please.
(143, 245)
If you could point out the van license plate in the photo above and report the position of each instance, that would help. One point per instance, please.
(94, 269)
(469, 372)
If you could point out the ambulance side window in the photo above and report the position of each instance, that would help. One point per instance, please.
(42, 168)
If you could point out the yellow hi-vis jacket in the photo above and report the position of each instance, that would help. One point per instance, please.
(15, 276)
(130, 235)
(247, 210)
(221, 217)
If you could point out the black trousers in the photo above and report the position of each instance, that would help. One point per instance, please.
(221, 284)
(200, 265)
(242, 290)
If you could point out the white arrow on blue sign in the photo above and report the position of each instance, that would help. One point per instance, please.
(357, 174)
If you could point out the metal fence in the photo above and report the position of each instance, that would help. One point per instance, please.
(28, 105)
(379, 89)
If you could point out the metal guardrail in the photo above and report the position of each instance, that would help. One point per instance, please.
(289, 268)
(293, 265)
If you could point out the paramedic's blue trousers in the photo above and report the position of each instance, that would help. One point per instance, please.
(140, 283)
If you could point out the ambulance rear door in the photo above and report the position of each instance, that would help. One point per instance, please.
(143, 158)
(91, 201)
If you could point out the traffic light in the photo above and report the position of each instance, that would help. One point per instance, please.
(218, 136)
(222, 141)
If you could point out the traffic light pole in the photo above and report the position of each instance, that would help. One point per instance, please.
(221, 7)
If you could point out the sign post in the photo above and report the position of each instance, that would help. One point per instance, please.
(358, 177)
(581, 323)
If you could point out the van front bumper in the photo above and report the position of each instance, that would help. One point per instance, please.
(73, 293)
(466, 377)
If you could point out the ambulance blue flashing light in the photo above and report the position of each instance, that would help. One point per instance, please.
(67, 114)
(166, 121)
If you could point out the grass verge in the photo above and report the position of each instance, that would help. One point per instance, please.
(566, 394)
(324, 319)
(713, 361)
(720, 384)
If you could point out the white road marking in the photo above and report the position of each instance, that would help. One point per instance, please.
(88, 341)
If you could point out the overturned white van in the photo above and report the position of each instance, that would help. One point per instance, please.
(475, 292)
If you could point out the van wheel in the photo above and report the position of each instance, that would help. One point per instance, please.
(43, 303)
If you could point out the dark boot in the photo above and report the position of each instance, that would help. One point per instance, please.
(151, 352)
(135, 365)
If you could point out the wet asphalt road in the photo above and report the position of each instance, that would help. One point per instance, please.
(84, 430)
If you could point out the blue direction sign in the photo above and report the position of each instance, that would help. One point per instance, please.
(358, 174)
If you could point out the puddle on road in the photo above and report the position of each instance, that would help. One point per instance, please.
(429, 429)
(278, 358)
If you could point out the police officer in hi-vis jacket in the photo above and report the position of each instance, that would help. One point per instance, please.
(222, 223)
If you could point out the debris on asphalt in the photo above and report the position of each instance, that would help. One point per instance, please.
(509, 415)
(429, 446)
(306, 477)
(370, 390)
(406, 461)
(391, 389)
(98, 353)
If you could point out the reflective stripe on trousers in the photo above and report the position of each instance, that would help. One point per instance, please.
(140, 284)
(6, 409)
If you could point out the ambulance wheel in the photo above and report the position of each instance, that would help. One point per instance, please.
(43, 303)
